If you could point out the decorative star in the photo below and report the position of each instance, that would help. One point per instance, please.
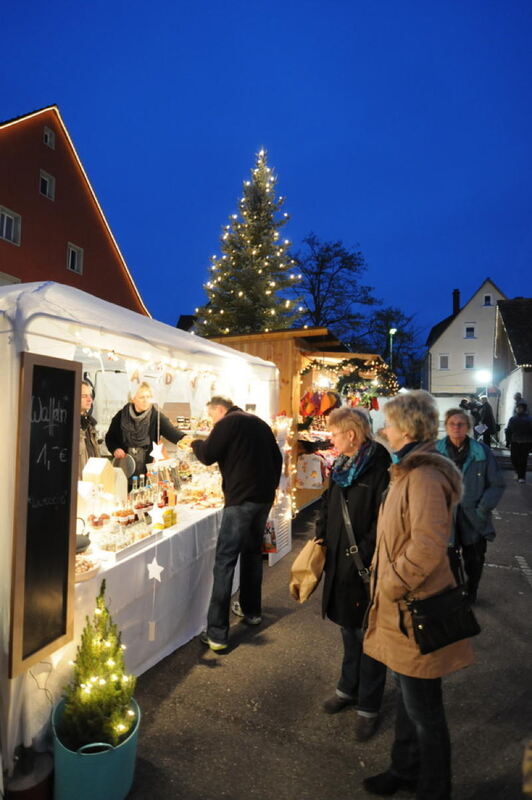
(154, 569)
(157, 452)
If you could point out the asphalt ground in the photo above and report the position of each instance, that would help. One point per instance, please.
(248, 725)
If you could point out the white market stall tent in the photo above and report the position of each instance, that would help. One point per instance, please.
(117, 349)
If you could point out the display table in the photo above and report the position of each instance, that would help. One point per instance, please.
(155, 618)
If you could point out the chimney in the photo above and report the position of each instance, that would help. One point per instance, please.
(456, 301)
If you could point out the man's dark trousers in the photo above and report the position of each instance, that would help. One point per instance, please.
(241, 534)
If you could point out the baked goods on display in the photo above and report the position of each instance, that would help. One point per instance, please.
(87, 566)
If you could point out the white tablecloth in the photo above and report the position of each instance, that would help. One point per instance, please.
(177, 605)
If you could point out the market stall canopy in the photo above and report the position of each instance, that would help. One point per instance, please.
(53, 310)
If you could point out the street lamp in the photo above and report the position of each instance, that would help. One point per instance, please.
(392, 333)
(484, 378)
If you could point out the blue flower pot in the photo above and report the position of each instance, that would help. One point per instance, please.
(95, 770)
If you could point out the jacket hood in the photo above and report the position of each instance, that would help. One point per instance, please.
(425, 455)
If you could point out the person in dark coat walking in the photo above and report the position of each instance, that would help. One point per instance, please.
(519, 439)
(250, 462)
(360, 475)
(487, 419)
(135, 428)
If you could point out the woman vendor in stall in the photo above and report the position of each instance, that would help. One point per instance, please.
(137, 426)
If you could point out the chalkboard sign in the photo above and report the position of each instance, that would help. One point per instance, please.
(45, 508)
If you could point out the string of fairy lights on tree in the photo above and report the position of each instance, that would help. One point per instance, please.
(98, 697)
(246, 283)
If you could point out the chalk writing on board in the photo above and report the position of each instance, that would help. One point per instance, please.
(50, 413)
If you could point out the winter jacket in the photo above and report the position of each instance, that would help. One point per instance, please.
(248, 456)
(344, 596)
(485, 417)
(88, 443)
(160, 425)
(483, 488)
(519, 430)
(411, 561)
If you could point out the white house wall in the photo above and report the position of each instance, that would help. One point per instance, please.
(456, 379)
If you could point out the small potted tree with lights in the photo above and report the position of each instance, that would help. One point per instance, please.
(95, 724)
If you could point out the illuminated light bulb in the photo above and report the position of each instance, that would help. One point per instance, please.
(272, 311)
(97, 610)
(102, 681)
(114, 677)
(107, 643)
(110, 662)
(121, 727)
(240, 294)
(94, 679)
(130, 713)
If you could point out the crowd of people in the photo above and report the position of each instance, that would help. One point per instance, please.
(403, 513)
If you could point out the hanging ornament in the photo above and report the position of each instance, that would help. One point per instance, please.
(154, 570)
(157, 451)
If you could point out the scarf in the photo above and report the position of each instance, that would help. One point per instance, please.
(135, 427)
(346, 469)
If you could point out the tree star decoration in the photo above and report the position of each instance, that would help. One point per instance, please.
(157, 452)
(155, 569)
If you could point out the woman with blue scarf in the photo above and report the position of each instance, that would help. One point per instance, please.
(360, 475)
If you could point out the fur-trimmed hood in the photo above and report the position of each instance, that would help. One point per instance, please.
(426, 455)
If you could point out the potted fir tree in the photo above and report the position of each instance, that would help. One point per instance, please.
(95, 724)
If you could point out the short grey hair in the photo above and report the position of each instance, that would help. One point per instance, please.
(220, 400)
(351, 419)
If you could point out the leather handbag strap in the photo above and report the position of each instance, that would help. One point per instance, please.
(353, 549)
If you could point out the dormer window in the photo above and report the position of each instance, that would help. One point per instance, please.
(488, 300)
(48, 137)
(469, 332)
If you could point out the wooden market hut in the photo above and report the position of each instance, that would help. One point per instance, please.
(293, 351)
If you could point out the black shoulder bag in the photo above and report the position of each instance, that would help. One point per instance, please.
(353, 547)
(444, 618)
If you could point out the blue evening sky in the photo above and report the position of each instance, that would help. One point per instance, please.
(400, 126)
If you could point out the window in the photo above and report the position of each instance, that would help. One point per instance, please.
(488, 300)
(48, 137)
(469, 332)
(469, 361)
(9, 225)
(75, 258)
(7, 280)
(444, 362)
(47, 185)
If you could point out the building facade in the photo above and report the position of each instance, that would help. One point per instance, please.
(52, 226)
(460, 357)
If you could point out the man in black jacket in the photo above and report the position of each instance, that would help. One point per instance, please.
(250, 462)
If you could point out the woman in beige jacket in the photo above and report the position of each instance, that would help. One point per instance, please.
(411, 561)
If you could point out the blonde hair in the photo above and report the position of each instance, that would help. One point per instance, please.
(414, 413)
(457, 412)
(143, 387)
(351, 419)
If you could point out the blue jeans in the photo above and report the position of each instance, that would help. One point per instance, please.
(240, 534)
(422, 747)
(362, 678)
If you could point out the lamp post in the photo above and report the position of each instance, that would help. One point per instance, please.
(392, 333)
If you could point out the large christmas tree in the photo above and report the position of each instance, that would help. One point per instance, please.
(246, 285)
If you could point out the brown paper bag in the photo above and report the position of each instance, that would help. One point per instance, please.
(306, 571)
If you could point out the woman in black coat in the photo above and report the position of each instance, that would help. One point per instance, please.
(135, 428)
(360, 474)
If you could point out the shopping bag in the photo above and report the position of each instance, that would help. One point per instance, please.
(306, 571)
